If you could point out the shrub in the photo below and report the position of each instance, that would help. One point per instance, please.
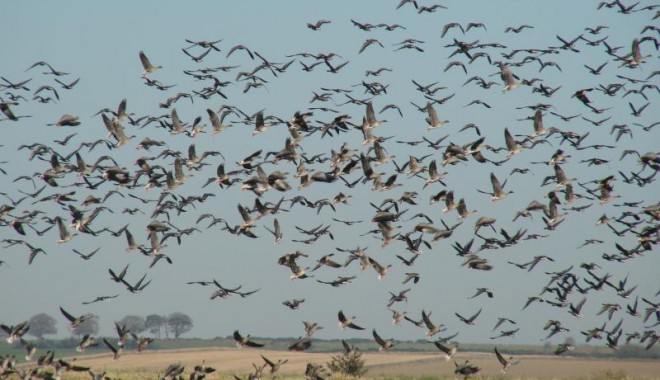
(350, 363)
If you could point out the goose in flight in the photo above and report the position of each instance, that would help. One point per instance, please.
(345, 322)
(276, 231)
(517, 29)
(122, 333)
(115, 351)
(86, 341)
(203, 44)
(414, 276)
(218, 122)
(65, 236)
(146, 64)
(342, 280)
(142, 342)
(555, 327)
(74, 322)
(380, 269)
(506, 333)
(384, 344)
(506, 363)
(368, 42)
(326, 260)
(194, 161)
(293, 304)
(4, 108)
(473, 261)
(450, 25)
(52, 70)
(448, 352)
(260, 125)
(430, 9)
(635, 58)
(240, 47)
(318, 24)
(118, 277)
(563, 347)
(139, 286)
(397, 317)
(462, 210)
(575, 310)
(67, 120)
(481, 291)
(466, 369)
(431, 328)
(508, 78)
(242, 341)
(99, 299)
(274, 366)
(404, 2)
(370, 117)
(301, 344)
(498, 189)
(512, 145)
(398, 297)
(469, 321)
(560, 176)
(502, 320)
(449, 202)
(311, 328)
(539, 130)
(15, 333)
(296, 271)
(433, 120)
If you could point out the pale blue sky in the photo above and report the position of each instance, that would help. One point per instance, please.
(99, 43)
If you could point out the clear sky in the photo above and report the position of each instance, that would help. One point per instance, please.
(99, 43)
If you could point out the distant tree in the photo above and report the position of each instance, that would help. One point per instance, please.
(547, 348)
(631, 351)
(134, 323)
(89, 326)
(179, 323)
(154, 323)
(42, 324)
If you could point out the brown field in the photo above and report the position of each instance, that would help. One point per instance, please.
(381, 365)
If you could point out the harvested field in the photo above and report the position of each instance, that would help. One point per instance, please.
(381, 365)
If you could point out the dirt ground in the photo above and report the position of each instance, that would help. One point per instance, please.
(528, 366)
(240, 361)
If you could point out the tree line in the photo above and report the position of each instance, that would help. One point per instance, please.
(160, 326)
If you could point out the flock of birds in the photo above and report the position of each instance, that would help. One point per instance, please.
(411, 194)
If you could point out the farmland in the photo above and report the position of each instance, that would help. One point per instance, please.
(389, 365)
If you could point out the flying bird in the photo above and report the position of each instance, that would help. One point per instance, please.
(75, 322)
(506, 363)
(146, 64)
(318, 24)
(242, 341)
(508, 78)
(345, 322)
(383, 344)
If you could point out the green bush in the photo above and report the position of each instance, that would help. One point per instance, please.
(350, 363)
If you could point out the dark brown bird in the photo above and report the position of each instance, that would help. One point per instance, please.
(318, 24)
(242, 341)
